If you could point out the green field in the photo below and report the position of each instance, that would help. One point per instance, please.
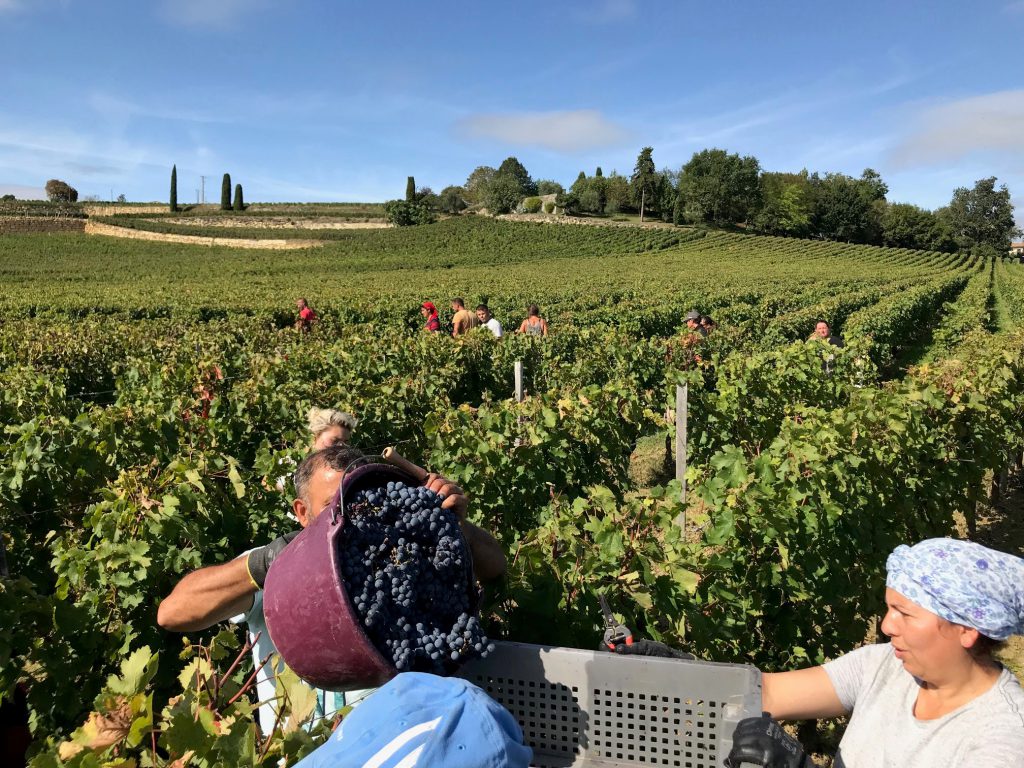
(151, 394)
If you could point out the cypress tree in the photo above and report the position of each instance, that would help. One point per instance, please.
(410, 190)
(239, 204)
(174, 188)
(225, 193)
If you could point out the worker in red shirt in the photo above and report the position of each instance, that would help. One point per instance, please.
(307, 317)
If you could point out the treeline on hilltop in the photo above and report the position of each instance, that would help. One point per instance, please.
(720, 189)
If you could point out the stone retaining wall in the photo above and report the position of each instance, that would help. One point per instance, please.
(10, 225)
(93, 209)
(95, 228)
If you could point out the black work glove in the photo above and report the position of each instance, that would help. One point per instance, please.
(648, 648)
(762, 741)
(258, 561)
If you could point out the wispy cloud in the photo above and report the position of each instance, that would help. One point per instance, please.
(608, 11)
(948, 132)
(118, 108)
(208, 13)
(572, 131)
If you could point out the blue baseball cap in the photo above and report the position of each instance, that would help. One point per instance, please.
(425, 721)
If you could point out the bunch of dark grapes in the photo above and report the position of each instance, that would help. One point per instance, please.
(408, 573)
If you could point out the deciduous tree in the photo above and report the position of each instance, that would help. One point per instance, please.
(476, 184)
(61, 192)
(720, 188)
(452, 200)
(982, 215)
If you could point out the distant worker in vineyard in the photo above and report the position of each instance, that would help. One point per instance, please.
(307, 317)
(707, 324)
(464, 320)
(234, 590)
(823, 331)
(534, 324)
(933, 696)
(489, 321)
(429, 312)
(693, 323)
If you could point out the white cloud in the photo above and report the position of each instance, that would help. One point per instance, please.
(574, 131)
(947, 132)
(208, 13)
(22, 192)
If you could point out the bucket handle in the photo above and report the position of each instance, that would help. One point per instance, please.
(395, 459)
(340, 509)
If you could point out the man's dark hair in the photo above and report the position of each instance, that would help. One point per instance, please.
(533, 310)
(338, 457)
(483, 308)
(458, 300)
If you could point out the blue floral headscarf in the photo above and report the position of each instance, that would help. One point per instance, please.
(962, 582)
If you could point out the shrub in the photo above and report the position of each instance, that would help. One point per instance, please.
(532, 205)
(549, 207)
(402, 213)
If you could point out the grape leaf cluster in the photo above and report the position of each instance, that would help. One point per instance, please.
(408, 572)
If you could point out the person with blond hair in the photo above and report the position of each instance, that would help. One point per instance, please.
(329, 427)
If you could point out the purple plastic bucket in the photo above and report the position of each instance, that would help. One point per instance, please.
(308, 612)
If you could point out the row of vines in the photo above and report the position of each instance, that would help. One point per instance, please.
(150, 399)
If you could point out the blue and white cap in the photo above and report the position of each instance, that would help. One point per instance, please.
(425, 721)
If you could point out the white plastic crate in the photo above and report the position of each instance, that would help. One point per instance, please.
(587, 708)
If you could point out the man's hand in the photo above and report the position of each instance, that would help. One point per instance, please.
(258, 561)
(455, 498)
(762, 741)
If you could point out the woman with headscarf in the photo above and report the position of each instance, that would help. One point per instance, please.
(429, 311)
(934, 695)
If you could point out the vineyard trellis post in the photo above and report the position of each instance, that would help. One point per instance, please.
(519, 398)
(4, 573)
(682, 392)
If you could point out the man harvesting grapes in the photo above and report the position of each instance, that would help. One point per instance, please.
(234, 590)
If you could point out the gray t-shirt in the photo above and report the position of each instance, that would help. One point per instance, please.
(883, 732)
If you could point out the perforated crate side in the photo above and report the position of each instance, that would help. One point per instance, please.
(584, 708)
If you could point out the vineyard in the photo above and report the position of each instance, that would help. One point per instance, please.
(151, 394)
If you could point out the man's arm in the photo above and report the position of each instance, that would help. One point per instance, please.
(207, 596)
(801, 695)
(488, 557)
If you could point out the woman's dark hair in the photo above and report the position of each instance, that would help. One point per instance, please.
(533, 310)
(985, 648)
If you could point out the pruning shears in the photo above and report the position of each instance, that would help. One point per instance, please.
(615, 634)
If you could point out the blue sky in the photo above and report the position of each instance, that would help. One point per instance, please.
(316, 100)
